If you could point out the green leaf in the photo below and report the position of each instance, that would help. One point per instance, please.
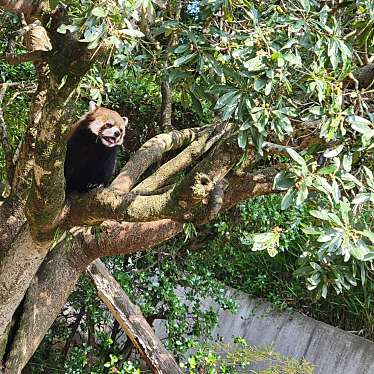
(369, 235)
(311, 230)
(362, 198)
(268, 241)
(302, 194)
(268, 88)
(296, 157)
(317, 110)
(347, 162)
(182, 60)
(333, 152)
(99, 12)
(181, 48)
(197, 104)
(64, 28)
(282, 181)
(351, 178)
(229, 109)
(288, 198)
(330, 169)
(91, 34)
(293, 59)
(228, 99)
(242, 139)
(332, 52)
(369, 175)
(335, 191)
(290, 44)
(369, 256)
(322, 214)
(360, 124)
(324, 291)
(133, 33)
(359, 250)
(259, 84)
(362, 128)
(254, 64)
(305, 4)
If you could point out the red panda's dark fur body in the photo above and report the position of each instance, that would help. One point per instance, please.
(88, 162)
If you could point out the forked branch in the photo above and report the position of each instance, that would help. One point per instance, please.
(151, 152)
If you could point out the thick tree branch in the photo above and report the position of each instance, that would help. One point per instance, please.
(151, 152)
(17, 269)
(250, 185)
(166, 106)
(182, 161)
(195, 189)
(12, 214)
(20, 260)
(177, 203)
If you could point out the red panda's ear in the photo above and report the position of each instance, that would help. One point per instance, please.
(126, 120)
(92, 106)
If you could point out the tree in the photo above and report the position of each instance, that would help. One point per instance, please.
(300, 123)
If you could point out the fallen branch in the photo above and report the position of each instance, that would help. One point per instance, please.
(132, 321)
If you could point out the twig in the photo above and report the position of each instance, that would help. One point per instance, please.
(276, 149)
(166, 106)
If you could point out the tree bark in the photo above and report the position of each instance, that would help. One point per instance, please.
(17, 268)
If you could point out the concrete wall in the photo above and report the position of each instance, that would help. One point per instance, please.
(330, 350)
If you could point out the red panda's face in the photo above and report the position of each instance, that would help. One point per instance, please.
(107, 125)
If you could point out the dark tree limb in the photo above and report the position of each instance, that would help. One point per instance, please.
(74, 329)
(14, 59)
(132, 321)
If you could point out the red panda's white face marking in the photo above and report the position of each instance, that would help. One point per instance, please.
(107, 125)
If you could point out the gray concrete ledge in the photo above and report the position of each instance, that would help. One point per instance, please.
(330, 350)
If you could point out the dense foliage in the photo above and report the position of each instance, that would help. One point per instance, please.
(268, 67)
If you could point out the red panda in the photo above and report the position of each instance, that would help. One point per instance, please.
(91, 151)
